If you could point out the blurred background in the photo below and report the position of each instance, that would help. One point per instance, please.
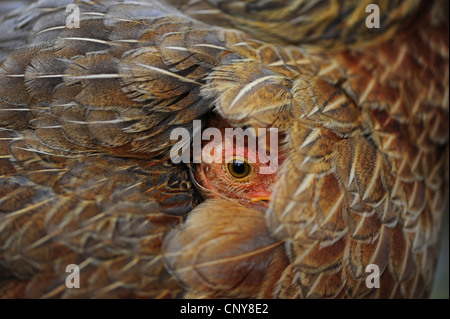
(441, 280)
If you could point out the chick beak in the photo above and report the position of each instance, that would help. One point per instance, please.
(261, 199)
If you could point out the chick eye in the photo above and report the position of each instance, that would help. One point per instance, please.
(239, 169)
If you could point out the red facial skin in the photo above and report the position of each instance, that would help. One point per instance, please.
(253, 190)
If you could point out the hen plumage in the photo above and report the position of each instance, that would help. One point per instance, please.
(85, 173)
